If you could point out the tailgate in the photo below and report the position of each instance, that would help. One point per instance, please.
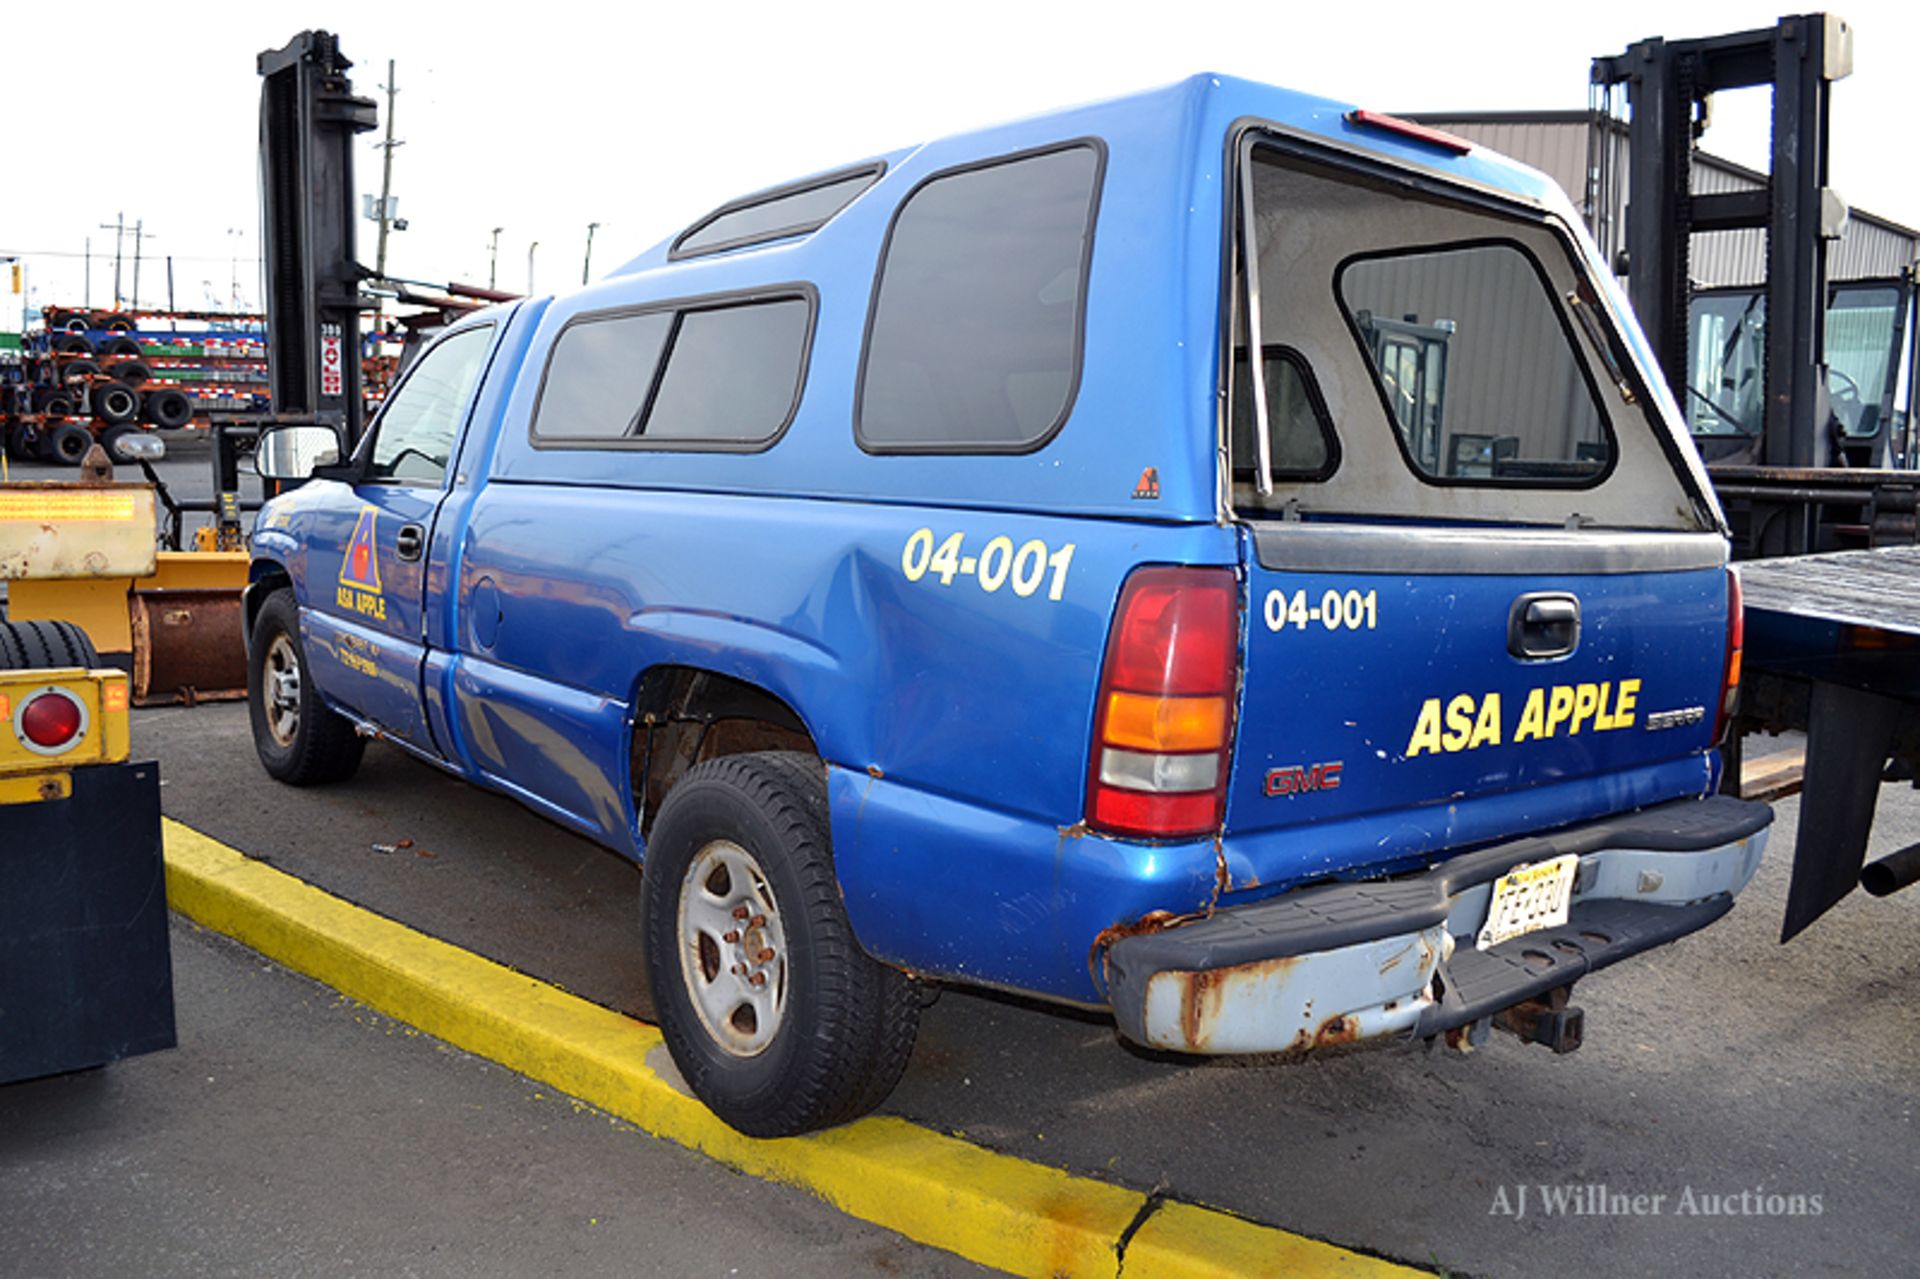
(1415, 699)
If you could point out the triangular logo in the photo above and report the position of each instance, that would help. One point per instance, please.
(361, 565)
(1149, 485)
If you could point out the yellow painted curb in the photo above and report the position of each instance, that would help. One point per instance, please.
(995, 1209)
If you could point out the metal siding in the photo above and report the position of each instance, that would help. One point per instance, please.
(1521, 382)
(1868, 248)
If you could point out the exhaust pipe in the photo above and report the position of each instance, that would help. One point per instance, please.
(1893, 872)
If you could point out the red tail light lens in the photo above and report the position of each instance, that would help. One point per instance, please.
(50, 720)
(1164, 725)
(1408, 129)
(1736, 640)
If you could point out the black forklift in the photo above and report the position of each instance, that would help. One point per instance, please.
(1798, 392)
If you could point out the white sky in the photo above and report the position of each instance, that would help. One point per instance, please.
(543, 117)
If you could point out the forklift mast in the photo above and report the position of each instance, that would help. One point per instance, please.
(1778, 485)
(308, 119)
(1668, 84)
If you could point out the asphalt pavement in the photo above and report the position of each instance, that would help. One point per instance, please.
(1720, 1067)
(295, 1132)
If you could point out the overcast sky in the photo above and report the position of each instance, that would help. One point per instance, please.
(540, 118)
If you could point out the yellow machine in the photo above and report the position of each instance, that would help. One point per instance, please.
(54, 721)
(85, 552)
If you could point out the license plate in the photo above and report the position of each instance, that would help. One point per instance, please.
(1529, 898)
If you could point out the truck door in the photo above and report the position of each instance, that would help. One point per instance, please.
(368, 564)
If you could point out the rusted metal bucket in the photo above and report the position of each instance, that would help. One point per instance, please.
(187, 647)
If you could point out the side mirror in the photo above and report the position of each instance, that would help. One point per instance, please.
(294, 452)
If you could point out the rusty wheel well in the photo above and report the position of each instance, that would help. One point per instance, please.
(683, 715)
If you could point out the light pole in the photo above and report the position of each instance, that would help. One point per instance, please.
(530, 249)
(587, 264)
(233, 267)
(119, 228)
(386, 177)
(493, 256)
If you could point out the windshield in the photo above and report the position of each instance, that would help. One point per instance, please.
(1728, 350)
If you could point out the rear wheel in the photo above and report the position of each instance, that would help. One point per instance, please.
(776, 1018)
(132, 372)
(115, 402)
(54, 403)
(27, 646)
(111, 437)
(23, 442)
(299, 739)
(168, 408)
(69, 443)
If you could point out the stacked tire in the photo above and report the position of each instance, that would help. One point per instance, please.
(100, 383)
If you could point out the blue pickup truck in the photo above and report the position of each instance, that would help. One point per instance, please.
(1218, 556)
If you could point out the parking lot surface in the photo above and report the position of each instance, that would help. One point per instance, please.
(295, 1132)
(1739, 1108)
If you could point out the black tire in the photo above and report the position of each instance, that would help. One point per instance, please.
(132, 372)
(168, 408)
(111, 437)
(78, 371)
(68, 443)
(300, 740)
(118, 324)
(56, 403)
(115, 402)
(843, 1035)
(114, 347)
(76, 322)
(29, 646)
(23, 442)
(72, 344)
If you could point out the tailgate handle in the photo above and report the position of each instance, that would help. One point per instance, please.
(1543, 625)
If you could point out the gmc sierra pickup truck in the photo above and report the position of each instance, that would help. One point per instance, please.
(1218, 556)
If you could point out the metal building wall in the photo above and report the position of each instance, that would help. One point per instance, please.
(1556, 142)
(1509, 371)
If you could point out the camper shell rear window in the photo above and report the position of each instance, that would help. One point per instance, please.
(1467, 363)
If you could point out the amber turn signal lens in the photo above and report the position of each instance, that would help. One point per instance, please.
(1139, 722)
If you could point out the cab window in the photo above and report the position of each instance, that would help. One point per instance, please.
(414, 436)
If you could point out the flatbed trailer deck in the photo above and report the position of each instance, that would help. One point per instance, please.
(1833, 650)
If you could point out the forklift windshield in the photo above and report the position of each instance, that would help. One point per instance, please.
(1866, 335)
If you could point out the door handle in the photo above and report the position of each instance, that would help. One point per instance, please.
(1542, 625)
(410, 541)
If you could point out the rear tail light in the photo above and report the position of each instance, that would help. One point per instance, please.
(1164, 724)
(50, 721)
(1736, 639)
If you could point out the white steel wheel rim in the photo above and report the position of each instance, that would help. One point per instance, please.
(280, 689)
(733, 951)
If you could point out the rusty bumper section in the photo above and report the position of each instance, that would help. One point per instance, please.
(1339, 963)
